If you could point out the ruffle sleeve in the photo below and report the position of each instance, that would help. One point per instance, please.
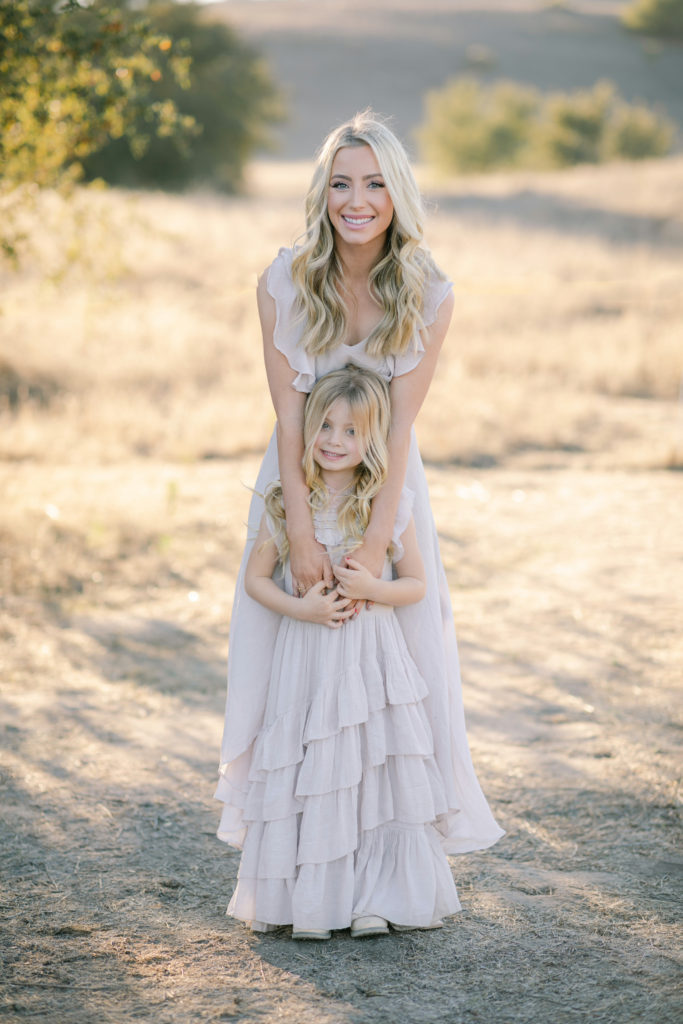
(288, 330)
(436, 290)
(403, 514)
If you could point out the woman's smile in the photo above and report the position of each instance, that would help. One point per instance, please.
(358, 202)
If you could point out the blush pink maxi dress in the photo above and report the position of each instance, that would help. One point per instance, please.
(345, 771)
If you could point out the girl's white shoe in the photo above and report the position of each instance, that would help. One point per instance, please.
(369, 925)
(311, 933)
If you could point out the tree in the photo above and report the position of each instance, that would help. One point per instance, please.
(228, 94)
(73, 76)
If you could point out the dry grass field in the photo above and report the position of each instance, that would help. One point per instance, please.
(134, 409)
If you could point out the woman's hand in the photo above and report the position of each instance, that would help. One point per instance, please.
(324, 607)
(354, 580)
(310, 564)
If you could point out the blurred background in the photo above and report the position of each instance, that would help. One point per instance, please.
(153, 158)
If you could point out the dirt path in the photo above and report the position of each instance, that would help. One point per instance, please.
(568, 596)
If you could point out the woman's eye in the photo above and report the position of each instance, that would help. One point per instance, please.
(339, 184)
(376, 184)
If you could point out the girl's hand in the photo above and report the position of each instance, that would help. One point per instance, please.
(324, 607)
(371, 556)
(310, 564)
(354, 580)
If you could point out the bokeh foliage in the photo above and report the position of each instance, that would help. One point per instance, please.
(655, 17)
(470, 128)
(229, 95)
(73, 76)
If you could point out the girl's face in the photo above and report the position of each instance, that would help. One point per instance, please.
(337, 448)
(358, 202)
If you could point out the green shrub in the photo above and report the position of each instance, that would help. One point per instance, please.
(228, 94)
(635, 133)
(471, 129)
(468, 127)
(570, 127)
(655, 17)
(73, 76)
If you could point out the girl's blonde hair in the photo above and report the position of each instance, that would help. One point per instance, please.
(368, 397)
(398, 278)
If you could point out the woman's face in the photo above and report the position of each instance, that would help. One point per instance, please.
(358, 202)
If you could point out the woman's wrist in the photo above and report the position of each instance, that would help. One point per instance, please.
(300, 532)
(375, 538)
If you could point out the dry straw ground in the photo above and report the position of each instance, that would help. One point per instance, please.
(135, 407)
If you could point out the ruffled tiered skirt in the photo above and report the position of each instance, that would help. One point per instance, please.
(345, 798)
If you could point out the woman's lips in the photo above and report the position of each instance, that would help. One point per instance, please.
(357, 222)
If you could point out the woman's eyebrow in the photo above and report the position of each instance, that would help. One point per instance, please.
(346, 177)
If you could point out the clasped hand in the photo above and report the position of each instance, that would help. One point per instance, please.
(354, 580)
(324, 606)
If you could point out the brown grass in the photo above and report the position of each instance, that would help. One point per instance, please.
(565, 335)
(119, 545)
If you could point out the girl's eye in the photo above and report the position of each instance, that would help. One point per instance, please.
(351, 431)
(325, 426)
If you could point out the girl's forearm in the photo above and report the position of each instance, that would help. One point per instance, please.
(266, 591)
(400, 592)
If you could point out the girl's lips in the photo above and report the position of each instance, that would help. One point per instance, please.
(332, 455)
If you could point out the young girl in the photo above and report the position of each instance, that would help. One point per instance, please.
(345, 797)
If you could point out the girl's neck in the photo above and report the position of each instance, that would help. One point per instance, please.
(337, 483)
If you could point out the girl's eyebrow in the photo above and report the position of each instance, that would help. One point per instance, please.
(346, 177)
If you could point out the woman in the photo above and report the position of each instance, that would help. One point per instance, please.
(362, 289)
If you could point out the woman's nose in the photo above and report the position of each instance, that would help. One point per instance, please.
(357, 196)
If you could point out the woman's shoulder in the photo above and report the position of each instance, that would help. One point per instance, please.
(437, 288)
(280, 267)
(278, 309)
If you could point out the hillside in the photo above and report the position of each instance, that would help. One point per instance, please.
(338, 56)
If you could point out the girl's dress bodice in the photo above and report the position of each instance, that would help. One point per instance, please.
(327, 532)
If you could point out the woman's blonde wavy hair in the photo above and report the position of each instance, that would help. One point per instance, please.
(398, 278)
(368, 397)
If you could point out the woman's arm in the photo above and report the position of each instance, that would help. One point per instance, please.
(308, 559)
(356, 582)
(326, 609)
(407, 395)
